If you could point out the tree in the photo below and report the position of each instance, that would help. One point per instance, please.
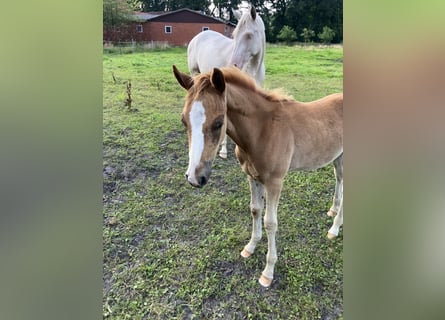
(172, 5)
(223, 9)
(287, 34)
(307, 34)
(311, 14)
(153, 5)
(326, 35)
(116, 13)
(135, 5)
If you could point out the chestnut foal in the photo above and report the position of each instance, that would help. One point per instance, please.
(273, 134)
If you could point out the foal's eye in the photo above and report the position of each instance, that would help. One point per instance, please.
(217, 124)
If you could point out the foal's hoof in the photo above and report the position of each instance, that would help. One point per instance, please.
(331, 236)
(245, 253)
(223, 155)
(265, 281)
(331, 213)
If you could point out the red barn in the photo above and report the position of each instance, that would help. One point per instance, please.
(176, 28)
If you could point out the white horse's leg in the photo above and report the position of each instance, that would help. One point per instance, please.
(256, 209)
(223, 151)
(337, 206)
(273, 191)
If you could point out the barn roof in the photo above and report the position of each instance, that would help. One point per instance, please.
(147, 15)
(182, 15)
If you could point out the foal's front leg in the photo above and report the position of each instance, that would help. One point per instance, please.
(256, 209)
(273, 191)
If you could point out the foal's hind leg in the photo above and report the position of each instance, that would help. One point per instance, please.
(338, 222)
(256, 209)
(223, 151)
(338, 193)
(337, 206)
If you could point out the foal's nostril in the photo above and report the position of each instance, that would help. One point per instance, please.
(202, 181)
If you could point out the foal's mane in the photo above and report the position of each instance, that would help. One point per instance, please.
(236, 77)
(233, 75)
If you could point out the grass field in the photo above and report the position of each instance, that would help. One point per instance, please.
(171, 251)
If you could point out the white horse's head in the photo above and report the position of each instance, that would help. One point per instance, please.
(250, 40)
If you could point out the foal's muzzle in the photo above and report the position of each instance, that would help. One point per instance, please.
(201, 176)
(200, 181)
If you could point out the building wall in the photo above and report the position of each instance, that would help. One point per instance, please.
(187, 25)
(182, 33)
(122, 34)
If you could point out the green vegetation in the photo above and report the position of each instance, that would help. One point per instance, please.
(307, 34)
(116, 13)
(326, 35)
(287, 34)
(171, 251)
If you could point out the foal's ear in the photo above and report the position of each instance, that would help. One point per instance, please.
(253, 12)
(217, 80)
(184, 79)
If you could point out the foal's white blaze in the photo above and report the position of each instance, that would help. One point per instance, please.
(197, 119)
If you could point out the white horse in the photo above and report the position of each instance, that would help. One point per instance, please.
(210, 49)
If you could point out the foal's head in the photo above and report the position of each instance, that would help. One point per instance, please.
(204, 116)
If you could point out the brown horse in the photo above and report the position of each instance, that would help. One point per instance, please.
(273, 134)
